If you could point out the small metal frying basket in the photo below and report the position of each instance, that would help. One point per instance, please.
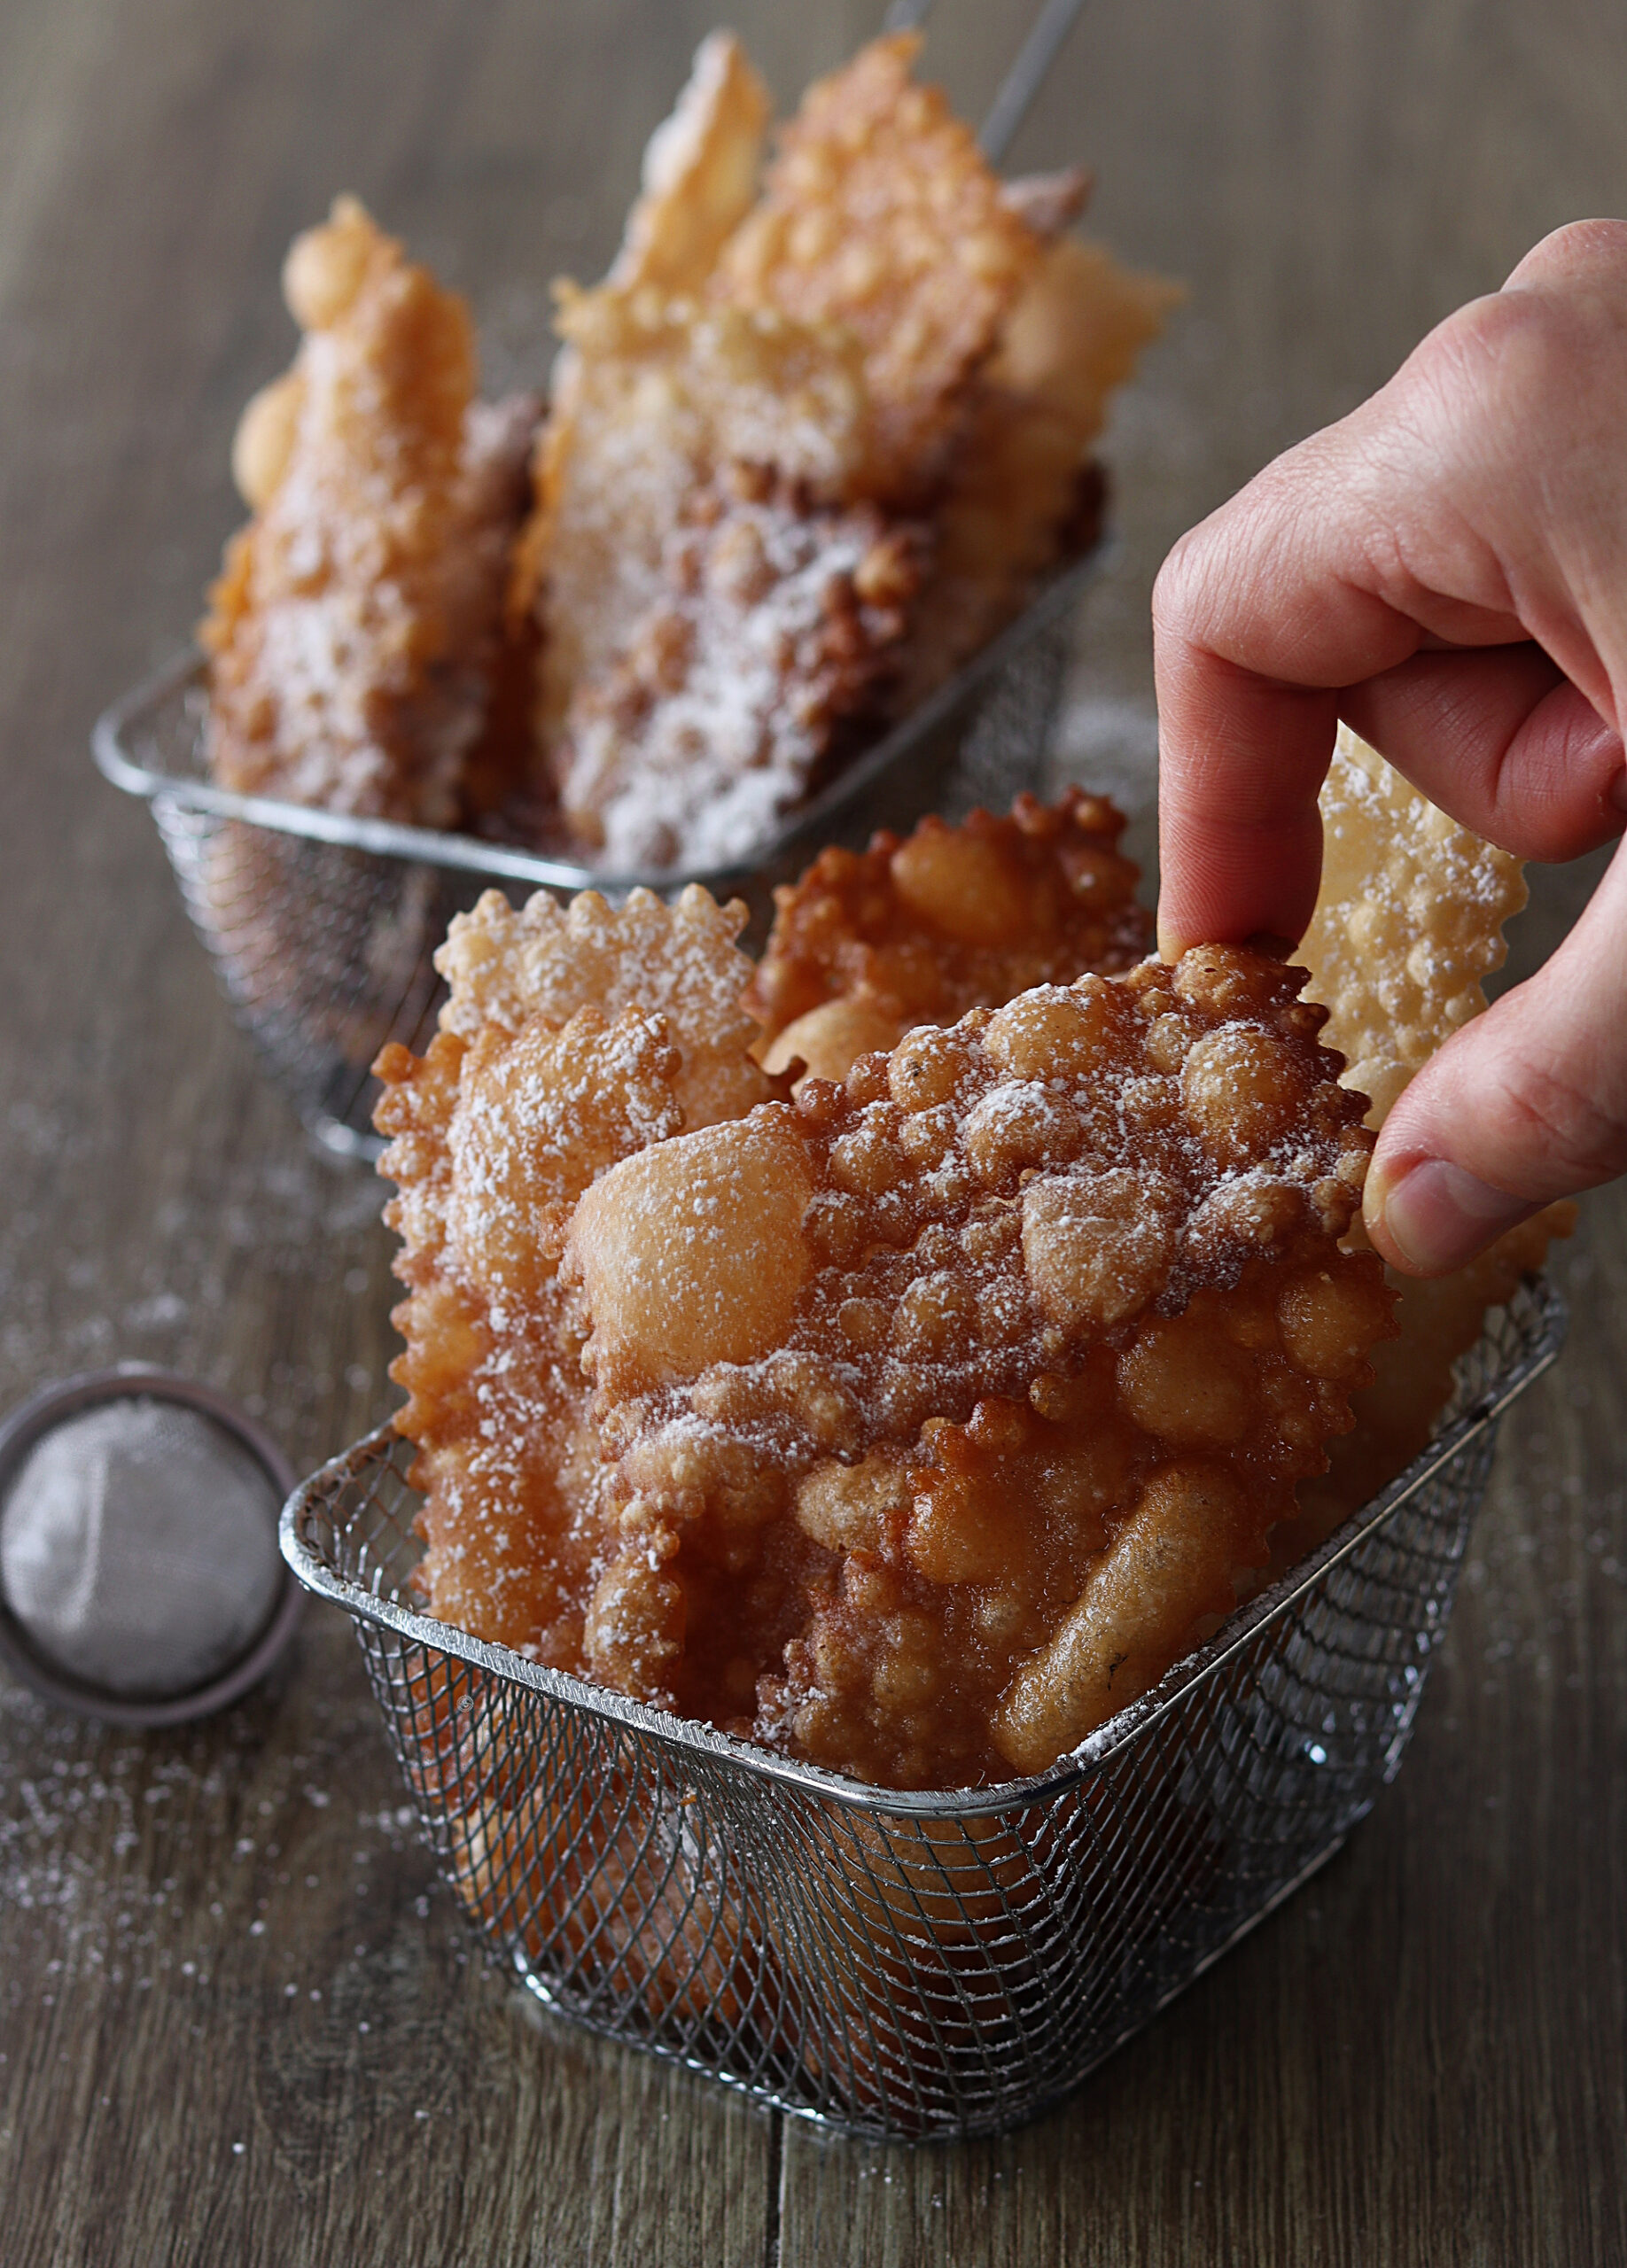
(911, 1964)
(321, 927)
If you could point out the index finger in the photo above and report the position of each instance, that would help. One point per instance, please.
(1257, 624)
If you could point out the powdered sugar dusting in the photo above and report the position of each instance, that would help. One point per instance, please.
(711, 723)
(679, 961)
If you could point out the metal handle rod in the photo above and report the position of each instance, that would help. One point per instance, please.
(1026, 75)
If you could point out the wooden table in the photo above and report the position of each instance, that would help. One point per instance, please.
(239, 2020)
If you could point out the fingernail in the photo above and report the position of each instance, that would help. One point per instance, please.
(1170, 946)
(1439, 1216)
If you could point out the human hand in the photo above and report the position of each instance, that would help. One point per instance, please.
(1446, 569)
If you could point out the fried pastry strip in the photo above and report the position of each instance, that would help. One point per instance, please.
(1110, 1211)
(777, 626)
(919, 929)
(491, 1142)
(653, 399)
(709, 612)
(355, 629)
(1408, 924)
(1024, 490)
(570, 1037)
(699, 174)
(679, 961)
(880, 213)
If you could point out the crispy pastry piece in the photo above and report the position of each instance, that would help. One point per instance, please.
(1048, 203)
(1408, 923)
(491, 1145)
(881, 215)
(356, 628)
(1088, 1243)
(1438, 1319)
(699, 174)
(679, 961)
(570, 1037)
(1023, 492)
(653, 399)
(917, 930)
(777, 625)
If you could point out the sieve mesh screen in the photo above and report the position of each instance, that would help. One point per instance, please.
(139, 1548)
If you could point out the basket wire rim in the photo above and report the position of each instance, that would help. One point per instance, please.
(119, 762)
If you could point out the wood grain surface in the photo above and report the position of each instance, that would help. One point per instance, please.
(239, 2020)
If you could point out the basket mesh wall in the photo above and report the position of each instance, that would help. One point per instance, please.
(910, 1964)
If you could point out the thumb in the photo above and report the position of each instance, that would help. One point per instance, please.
(1526, 1104)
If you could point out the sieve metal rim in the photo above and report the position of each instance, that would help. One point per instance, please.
(301, 1549)
(28, 1423)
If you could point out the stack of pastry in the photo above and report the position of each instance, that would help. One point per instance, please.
(818, 434)
(902, 1353)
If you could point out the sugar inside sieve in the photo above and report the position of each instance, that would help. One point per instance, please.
(140, 1578)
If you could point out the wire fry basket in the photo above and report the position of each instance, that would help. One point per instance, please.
(321, 927)
(911, 1964)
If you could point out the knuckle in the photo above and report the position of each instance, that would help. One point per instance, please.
(1546, 1114)
(1597, 248)
(1178, 585)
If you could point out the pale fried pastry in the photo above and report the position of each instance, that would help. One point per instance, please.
(921, 928)
(679, 961)
(1408, 923)
(1048, 203)
(569, 1039)
(654, 400)
(880, 213)
(699, 175)
(1127, 1191)
(356, 628)
(1022, 493)
(491, 1145)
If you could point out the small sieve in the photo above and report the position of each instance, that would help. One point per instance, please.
(140, 1578)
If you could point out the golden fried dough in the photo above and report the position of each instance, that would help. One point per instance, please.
(778, 626)
(1063, 1264)
(678, 961)
(699, 174)
(1408, 923)
(653, 399)
(491, 1142)
(1023, 489)
(355, 629)
(710, 613)
(571, 1038)
(881, 215)
(921, 928)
